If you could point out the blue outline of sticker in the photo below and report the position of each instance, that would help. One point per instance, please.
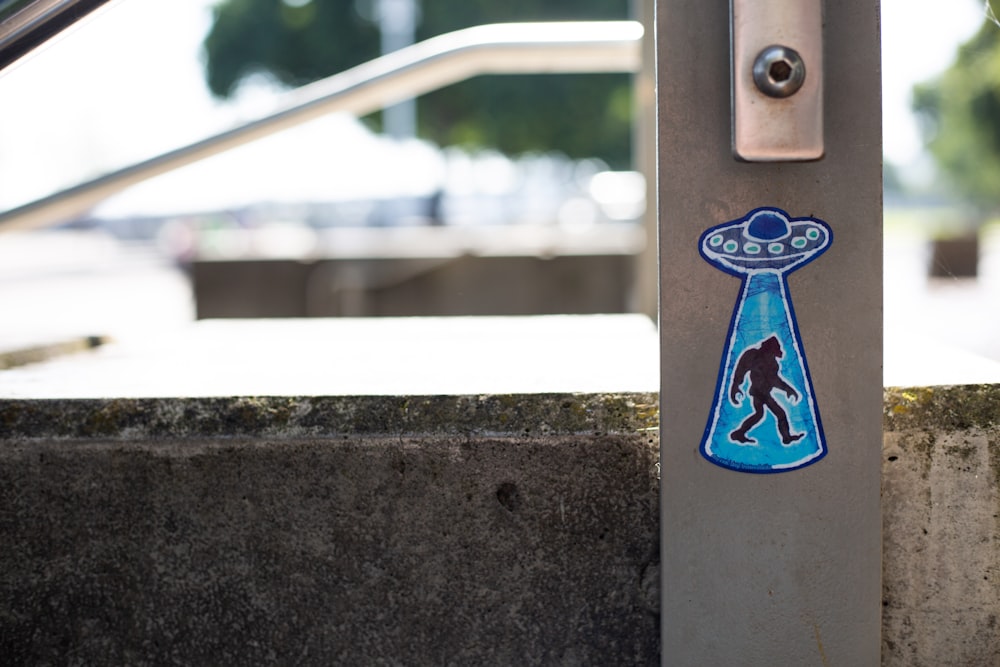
(763, 265)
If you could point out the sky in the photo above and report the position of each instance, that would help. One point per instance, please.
(127, 84)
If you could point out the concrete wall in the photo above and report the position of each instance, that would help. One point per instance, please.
(941, 527)
(464, 285)
(492, 530)
(399, 531)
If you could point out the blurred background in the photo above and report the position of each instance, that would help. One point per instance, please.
(513, 194)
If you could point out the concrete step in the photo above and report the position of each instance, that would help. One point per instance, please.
(356, 356)
(419, 492)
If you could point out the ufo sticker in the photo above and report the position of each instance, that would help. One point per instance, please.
(764, 417)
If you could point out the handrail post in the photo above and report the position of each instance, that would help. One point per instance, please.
(646, 280)
(780, 568)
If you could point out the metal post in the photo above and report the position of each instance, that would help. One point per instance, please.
(771, 339)
(398, 25)
(646, 288)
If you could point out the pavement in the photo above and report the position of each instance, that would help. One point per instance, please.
(63, 291)
(939, 330)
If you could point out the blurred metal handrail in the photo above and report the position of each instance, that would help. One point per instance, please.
(510, 48)
(25, 24)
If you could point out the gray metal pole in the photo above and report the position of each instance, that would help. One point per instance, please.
(398, 25)
(646, 281)
(771, 347)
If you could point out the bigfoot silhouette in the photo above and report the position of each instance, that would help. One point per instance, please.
(761, 363)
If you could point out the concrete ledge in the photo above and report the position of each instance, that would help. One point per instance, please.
(137, 420)
(426, 530)
(941, 526)
(500, 530)
(405, 356)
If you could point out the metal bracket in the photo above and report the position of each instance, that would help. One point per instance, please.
(777, 79)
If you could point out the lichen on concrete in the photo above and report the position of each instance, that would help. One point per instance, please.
(317, 416)
(946, 407)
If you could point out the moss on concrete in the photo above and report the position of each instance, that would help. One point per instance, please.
(536, 414)
(942, 408)
(933, 410)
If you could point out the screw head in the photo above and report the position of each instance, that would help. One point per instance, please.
(779, 71)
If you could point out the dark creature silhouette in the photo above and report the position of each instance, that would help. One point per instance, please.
(761, 363)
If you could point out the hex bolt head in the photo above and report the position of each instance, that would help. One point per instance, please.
(779, 71)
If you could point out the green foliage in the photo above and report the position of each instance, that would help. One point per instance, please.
(891, 182)
(960, 118)
(580, 115)
(294, 44)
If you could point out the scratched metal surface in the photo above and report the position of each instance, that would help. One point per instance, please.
(778, 569)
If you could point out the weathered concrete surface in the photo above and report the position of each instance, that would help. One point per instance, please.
(501, 530)
(941, 527)
(425, 530)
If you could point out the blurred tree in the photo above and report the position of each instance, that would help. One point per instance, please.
(891, 181)
(959, 113)
(298, 41)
